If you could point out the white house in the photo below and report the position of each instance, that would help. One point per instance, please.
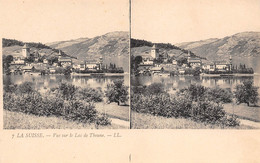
(18, 61)
(174, 62)
(65, 61)
(45, 61)
(147, 61)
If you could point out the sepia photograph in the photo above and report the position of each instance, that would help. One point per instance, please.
(66, 65)
(130, 81)
(195, 64)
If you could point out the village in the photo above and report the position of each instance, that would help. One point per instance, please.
(33, 62)
(167, 64)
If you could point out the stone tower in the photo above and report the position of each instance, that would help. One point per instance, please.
(100, 63)
(26, 51)
(154, 52)
(230, 62)
(59, 55)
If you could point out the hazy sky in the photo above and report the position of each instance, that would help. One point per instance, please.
(177, 21)
(54, 20)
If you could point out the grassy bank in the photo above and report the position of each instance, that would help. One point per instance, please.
(243, 111)
(16, 120)
(148, 121)
(67, 102)
(113, 110)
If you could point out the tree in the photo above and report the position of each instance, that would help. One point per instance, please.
(182, 61)
(67, 70)
(117, 92)
(66, 91)
(155, 88)
(53, 59)
(6, 61)
(246, 93)
(29, 59)
(138, 60)
(25, 88)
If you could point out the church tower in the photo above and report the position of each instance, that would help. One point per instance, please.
(155, 52)
(189, 56)
(59, 55)
(230, 62)
(26, 51)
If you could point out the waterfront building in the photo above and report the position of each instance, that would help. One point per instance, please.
(147, 61)
(193, 61)
(65, 61)
(18, 60)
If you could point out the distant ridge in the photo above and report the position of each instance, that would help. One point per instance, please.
(109, 44)
(143, 48)
(244, 44)
(13, 47)
(112, 46)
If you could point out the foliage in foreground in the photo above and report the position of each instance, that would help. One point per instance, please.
(189, 103)
(247, 93)
(201, 93)
(59, 102)
(117, 92)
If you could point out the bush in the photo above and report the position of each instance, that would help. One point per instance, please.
(195, 92)
(25, 88)
(155, 88)
(117, 92)
(182, 105)
(247, 93)
(59, 102)
(231, 120)
(201, 93)
(66, 91)
(78, 111)
(158, 104)
(206, 111)
(27, 103)
(219, 95)
(11, 88)
(103, 120)
(90, 94)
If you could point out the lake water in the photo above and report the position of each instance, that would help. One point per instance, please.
(172, 83)
(45, 82)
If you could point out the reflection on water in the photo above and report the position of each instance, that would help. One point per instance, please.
(43, 83)
(179, 82)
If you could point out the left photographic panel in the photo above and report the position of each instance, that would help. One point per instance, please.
(65, 64)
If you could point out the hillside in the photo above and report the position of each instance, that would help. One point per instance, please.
(113, 47)
(245, 44)
(14, 48)
(143, 48)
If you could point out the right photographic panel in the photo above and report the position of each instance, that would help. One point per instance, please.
(195, 64)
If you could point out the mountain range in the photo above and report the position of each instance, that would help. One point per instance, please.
(244, 44)
(113, 47)
(110, 44)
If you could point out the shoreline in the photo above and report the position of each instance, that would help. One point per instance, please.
(226, 75)
(78, 74)
(202, 75)
(98, 74)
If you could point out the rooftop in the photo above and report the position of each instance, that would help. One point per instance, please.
(221, 62)
(25, 46)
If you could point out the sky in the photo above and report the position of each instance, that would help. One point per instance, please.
(57, 20)
(176, 21)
